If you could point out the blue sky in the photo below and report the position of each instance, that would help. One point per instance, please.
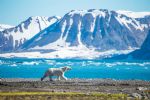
(12, 12)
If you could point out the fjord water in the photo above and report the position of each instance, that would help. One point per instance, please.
(103, 69)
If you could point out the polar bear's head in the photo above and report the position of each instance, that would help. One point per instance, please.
(66, 68)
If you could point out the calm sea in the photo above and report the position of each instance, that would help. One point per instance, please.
(103, 69)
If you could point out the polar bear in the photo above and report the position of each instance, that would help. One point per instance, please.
(59, 72)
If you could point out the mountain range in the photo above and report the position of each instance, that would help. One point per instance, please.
(99, 29)
(93, 30)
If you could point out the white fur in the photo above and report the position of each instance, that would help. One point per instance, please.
(59, 72)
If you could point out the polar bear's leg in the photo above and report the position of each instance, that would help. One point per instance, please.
(50, 78)
(43, 77)
(63, 77)
(58, 78)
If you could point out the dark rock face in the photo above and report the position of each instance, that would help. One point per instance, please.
(146, 43)
(141, 54)
(144, 52)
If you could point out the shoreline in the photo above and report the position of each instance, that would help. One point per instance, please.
(133, 88)
(69, 79)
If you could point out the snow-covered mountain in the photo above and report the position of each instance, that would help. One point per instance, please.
(12, 38)
(97, 29)
(3, 27)
(88, 34)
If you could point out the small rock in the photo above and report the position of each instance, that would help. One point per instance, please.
(141, 88)
(64, 91)
(136, 95)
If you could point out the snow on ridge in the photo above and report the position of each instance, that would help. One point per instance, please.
(44, 21)
(81, 12)
(94, 12)
(102, 12)
(135, 23)
(4, 26)
(134, 14)
(58, 17)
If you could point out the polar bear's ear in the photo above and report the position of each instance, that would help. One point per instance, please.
(68, 67)
(64, 68)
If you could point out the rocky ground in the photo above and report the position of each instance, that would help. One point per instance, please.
(133, 88)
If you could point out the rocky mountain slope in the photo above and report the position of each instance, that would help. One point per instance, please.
(12, 38)
(143, 52)
(140, 54)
